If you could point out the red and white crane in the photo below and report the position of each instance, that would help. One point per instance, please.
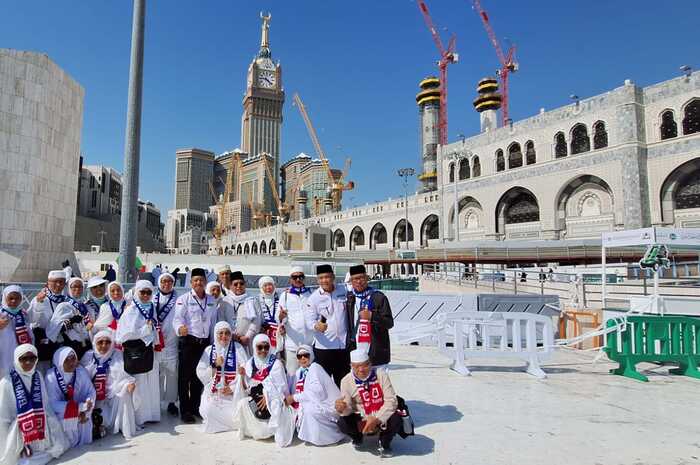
(508, 63)
(447, 56)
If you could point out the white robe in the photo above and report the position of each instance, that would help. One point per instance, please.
(167, 358)
(132, 325)
(80, 433)
(118, 406)
(218, 410)
(11, 441)
(8, 343)
(105, 317)
(317, 419)
(281, 422)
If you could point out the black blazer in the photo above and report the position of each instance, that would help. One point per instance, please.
(382, 322)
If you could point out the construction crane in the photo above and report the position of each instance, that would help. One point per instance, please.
(508, 63)
(447, 57)
(282, 209)
(218, 227)
(337, 184)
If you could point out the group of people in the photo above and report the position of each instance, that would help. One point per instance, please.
(75, 368)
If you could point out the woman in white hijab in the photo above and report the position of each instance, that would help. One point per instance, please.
(14, 326)
(30, 433)
(313, 400)
(112, 310)
(114, 387)
(76, 287)
(139, 327)
(164, 300)
(263, 413)
(71, 395)
(68, 328)
(219, 370)
(269, 317)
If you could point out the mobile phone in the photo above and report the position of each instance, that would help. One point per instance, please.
(323, 319)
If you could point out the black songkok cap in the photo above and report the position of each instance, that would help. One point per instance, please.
(324, 269)
(357, 269)
(198, 272)
(237, 275)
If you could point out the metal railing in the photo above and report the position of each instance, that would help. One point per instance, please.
(584, 286)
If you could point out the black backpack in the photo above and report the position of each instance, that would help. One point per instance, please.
(407, 427)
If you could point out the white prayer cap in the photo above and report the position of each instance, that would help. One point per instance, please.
(359, 356)
(211, 285)
(142, 284)
(265, 280)
(57, 274)
(222, 325)
(10, 289)
(296, 269)
(103, 334)
(305, 349)
(95, 281)
(222, 269)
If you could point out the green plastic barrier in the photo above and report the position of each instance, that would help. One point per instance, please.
(653, 338)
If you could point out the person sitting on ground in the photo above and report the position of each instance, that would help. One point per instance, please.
(72, 396)
(14, 327)
(263, 413)
(114, 387)
(30, 433)
(218, 370)
(314, 401)
(368, 403)
(112, 309)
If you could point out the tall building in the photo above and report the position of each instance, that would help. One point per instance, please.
(308, 177)
(100, 193)
(194, 169)
(428, 100)
(41, 119)
(261, 123)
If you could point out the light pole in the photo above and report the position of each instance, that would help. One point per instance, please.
(132, 149)
(406, 173)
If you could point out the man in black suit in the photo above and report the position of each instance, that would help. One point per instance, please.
(369, 318)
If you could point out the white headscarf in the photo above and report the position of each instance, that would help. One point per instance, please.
(220, 348)
(20, 350)
(261, 362)
(75, 280)
(104, 334)
(65, 311)
(308, 350)
(109, 286)
(160, 282)
(60, 357)
(263, 281)
(138, 287)
(7, 291)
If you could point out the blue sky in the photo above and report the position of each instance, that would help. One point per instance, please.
(356, 65)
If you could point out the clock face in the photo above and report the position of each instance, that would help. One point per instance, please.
(266, 79)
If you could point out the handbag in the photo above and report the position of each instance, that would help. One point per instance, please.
(138, 357)
(407, 428)
(256, 393)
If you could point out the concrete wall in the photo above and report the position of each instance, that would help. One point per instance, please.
(41, 117)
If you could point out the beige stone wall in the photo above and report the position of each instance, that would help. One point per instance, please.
(41, 117)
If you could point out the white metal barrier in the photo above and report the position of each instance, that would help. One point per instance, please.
(501, 334)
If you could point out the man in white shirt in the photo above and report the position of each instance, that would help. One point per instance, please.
(195, 316)
(293, 308)
(327, 319)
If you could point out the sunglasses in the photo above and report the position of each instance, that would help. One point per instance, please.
(300, 356)
(263, 347)
(298, 276)
(238, 283)
(146, 292)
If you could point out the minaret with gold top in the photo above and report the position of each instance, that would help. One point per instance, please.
(428, 100)
(261, 123)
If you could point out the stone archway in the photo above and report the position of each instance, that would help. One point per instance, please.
(400, 233)
(263, 247)
(338, 239)
(680, 195)
(377, 235)
(246, 250)
(273, 246)
(429, 229)
(357, 237)
(585, 207)
(518, 206)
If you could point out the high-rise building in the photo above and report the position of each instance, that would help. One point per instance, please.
(194, 169)
(100, 193)
(261, 123)
(310, 176)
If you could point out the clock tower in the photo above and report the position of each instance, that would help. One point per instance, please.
(261, 124)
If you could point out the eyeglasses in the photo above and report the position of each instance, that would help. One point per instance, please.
(238, 283)
(263, 347)
(300, 356)
(146, 292)
(297, 276)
